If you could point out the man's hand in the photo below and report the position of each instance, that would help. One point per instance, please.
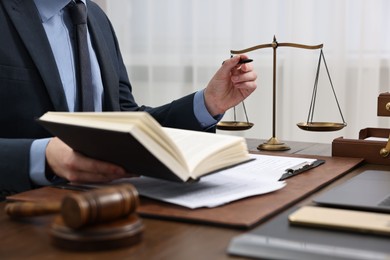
(78, 168)
(231, 84)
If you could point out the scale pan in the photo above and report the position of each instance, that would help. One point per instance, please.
(321, 126)
(234, 125)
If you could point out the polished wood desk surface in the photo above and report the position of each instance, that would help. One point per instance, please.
(162, 239)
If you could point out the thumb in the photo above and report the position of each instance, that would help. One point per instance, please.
(229, 64)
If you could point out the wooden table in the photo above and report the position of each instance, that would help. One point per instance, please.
(162, 239)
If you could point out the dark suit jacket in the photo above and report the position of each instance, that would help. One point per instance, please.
(30, 85)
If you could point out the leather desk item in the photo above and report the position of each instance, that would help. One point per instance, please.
(384, 104)
(371, 150)
(361, 148)
(249, 212)
(244, 213)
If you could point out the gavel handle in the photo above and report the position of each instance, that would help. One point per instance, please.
(30, 209)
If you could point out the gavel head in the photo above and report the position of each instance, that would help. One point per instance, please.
(100, 205)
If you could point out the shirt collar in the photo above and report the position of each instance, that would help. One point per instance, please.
(48, 8)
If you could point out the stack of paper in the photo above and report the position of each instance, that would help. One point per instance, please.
(257, 177)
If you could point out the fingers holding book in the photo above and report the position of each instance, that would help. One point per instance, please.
(75, 167)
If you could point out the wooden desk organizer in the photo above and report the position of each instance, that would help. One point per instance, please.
(376, 152)
(369, 150)
(383, 104)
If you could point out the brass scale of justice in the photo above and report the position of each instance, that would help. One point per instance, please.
(273, 144)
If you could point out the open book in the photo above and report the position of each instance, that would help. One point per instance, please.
(137, 142)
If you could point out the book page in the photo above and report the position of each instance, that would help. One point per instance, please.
(206, 152)
(257, 177)
(373, 138)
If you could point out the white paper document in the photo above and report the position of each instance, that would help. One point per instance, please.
(257, 177)
(373, 138)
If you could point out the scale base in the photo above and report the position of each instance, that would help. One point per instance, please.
(273, 145)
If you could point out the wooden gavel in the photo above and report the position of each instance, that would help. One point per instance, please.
(82, 209)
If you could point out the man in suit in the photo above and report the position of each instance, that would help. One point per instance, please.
(37, 74)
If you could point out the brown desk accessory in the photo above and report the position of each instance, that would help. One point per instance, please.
(31, 209)
(383, 104)
(249, 212)
(372, 151)
(242, 214)
(99, 206)
(98, 219)
(375, 152)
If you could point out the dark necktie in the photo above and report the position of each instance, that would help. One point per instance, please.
(78, 14)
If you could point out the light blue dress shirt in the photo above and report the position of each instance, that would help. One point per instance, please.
(58, 27)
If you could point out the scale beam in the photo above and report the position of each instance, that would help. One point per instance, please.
(275, 44)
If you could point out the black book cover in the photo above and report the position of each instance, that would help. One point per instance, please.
(120, 148)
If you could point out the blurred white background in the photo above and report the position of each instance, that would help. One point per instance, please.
(173, 47)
